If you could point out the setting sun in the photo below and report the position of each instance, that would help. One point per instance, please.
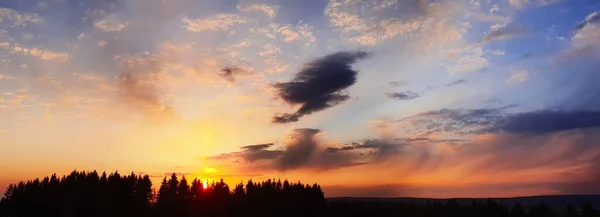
(205, 184)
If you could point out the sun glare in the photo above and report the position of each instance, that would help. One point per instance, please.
(205, 184)
(210, 170)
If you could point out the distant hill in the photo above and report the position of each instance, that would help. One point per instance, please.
(557, 202)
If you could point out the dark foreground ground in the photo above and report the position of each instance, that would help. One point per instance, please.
(555, 202)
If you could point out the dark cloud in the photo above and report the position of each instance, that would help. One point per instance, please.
(251, 153)
(494, 101)
(397, 83)
(375, 149)
(478, 121)
(526, 56)
(406, 95)
(590, 19)
(384, 149)
(257, 147)
(300, 150)
(503, 32)
(230, 73)
(457, 82)
(260, 153)
(303, 151)
(319, 84)
(545, 121)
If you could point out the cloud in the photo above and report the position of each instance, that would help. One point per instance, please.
(495, 8)
(110, 24)
(568, 159)
(230, 73)
(589, 19)
(457, 82)
(299, 150)
(270, 50)
(496, 52)
(296, 32)
(545, 121)
(258, 147)
(251, 154)
(360, 22)
(518, 76)
(584, 44)
(218, 22)
(472, 61)
(492, 18)
(385, 30)
(137, 86)
(570, 155)
(259, 152)
(303, 150)
(19, 19)
(397, 83)
(482, 121)
(268, 10)
(318, 85)
(384, 149)
(501, 32)
(519, 4)
(43, 54)
(406, 95)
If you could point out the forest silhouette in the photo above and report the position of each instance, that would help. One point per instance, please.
(90, 194)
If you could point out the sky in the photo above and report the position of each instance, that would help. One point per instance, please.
(381, 98)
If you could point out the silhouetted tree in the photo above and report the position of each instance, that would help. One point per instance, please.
(87, 194)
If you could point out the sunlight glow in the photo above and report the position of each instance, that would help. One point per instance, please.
(210, 170)
(205, 184)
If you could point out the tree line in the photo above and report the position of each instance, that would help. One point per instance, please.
(90, 194)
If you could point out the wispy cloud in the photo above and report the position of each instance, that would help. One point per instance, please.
(15, 18)
(519, 76)
(137, 86)
(36, 52)
(492, 18)
(266, 9)
(415, 17)
(397, 83)
(457, 82)
(501, 32)
(217, 22)
(406, 95)
(110, 24)
(522, 4)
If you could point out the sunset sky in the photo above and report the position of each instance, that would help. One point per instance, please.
(422, 98)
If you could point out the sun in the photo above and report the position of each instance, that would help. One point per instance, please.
(205, 184)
